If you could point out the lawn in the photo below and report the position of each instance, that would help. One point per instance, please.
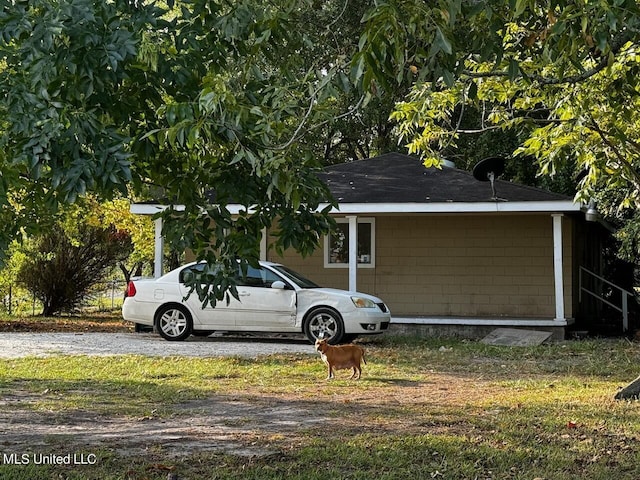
(425, 408)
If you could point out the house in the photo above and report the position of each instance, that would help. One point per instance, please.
(446, 253)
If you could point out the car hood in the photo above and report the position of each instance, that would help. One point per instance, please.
(333, 292)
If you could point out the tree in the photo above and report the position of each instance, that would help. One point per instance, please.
(9, 275)
(102, 96)
(192, 97)
(87, 242)
(60, 270)
(359, 125)
(137, 229)
(562, 75)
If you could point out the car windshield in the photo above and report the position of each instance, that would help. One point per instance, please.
(295, 276)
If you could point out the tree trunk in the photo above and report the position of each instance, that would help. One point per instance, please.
(136, 270)
(630, 392)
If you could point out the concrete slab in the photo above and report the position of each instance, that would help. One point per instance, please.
(514, 337)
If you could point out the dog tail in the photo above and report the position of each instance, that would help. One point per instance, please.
(364, 360)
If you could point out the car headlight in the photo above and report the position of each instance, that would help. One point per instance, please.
(360, 302)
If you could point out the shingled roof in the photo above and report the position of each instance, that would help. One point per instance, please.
(396, 183)
(397, 178)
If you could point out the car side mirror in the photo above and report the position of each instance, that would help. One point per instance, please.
(279, 285)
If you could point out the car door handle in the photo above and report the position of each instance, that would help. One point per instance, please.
(244, 294)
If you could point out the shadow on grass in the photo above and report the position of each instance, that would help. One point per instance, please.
(136, 426)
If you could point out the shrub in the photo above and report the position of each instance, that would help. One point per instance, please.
(60, 271)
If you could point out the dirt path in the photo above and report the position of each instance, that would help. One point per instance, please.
(222, 425)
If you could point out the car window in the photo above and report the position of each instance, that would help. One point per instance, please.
(185, 272)
(296, 277)
(257, 277)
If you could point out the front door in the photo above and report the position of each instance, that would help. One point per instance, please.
(220, 317)
(262, 307)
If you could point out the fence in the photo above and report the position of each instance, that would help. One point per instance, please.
(107, 295)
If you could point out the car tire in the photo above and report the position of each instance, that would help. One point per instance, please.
(324, 323)
(174, 322)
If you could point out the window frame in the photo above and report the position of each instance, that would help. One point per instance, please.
(359, 220)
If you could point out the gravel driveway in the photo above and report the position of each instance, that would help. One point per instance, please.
(16, 345)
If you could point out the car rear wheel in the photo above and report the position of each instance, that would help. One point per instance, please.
(174, 322)
(324, 323)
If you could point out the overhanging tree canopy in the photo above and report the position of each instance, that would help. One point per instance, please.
(113, 97)
(117, 97)
(564, 74)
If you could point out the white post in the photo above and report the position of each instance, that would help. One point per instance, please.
(353, 252)
(263, 245)
(557, 266)
(158, 249)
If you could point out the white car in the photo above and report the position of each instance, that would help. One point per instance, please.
(272, 298)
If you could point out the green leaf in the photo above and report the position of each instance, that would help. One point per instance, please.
(442, 42)
(514, 69)
(449, 78)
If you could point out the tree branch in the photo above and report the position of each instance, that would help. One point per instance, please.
(296, 135)
(335, 20)
(622, 161)
(616, 45)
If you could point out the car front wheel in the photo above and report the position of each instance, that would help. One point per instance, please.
(324, 323)
(174, 323)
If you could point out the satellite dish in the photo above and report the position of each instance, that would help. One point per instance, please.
(488, 170)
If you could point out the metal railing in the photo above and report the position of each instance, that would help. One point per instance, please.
(624, 295)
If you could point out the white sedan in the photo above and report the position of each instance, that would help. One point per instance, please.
(272, 298)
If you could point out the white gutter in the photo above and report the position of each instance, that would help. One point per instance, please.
(372, 208)
(151, 208)
(457, 207)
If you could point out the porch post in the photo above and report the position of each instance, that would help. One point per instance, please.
(263, 245)
(353, 252)
(557, 266)
(158, 249)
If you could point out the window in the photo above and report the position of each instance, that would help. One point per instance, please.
(192, 270)
(257, 277)
(336, 245)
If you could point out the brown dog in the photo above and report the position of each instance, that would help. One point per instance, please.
(341, 357)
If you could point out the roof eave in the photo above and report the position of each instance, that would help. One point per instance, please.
(394, 208)
(458, 207)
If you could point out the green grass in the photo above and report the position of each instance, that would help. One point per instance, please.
(465, 411)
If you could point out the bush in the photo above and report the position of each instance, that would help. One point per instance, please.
(60, 271)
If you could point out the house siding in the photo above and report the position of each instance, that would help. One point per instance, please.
(468, 266)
